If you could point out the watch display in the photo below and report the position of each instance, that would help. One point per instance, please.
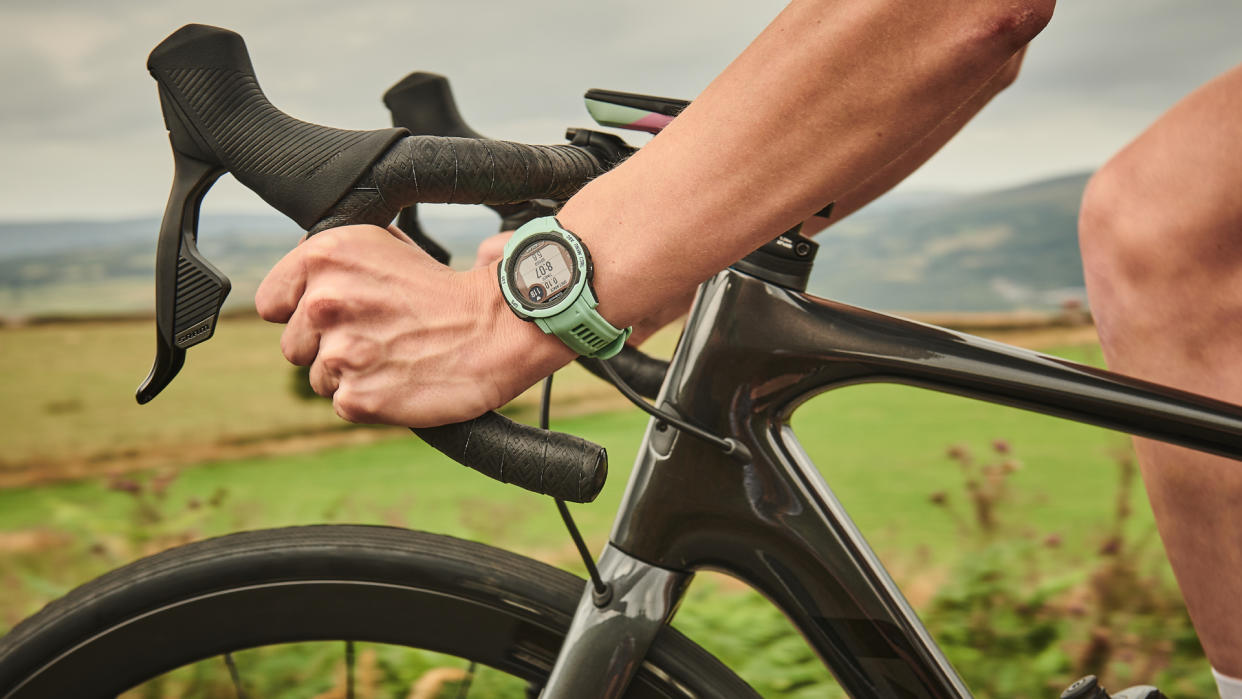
(543, 272)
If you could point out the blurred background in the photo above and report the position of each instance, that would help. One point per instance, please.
(1025, 540)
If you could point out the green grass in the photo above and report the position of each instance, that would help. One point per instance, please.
(881, 448)
(68, 392)
(67, 403)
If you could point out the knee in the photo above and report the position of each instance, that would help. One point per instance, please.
(1143, 247)
(1097, 234)
(1118, 228)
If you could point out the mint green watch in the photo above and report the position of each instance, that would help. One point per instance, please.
(545, 277)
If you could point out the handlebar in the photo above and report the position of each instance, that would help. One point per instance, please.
(422, 103)
(219, 121)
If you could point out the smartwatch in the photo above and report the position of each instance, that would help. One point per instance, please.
(545, 277)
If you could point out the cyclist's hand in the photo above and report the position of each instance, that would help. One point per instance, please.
(392, 336)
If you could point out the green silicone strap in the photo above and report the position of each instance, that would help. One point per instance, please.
(584, 330)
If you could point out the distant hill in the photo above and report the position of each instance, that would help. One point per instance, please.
(996, 251)
(1003, 250)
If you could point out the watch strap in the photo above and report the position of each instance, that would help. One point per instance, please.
(584, 330)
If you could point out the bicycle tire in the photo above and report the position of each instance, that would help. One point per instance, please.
(324, 582)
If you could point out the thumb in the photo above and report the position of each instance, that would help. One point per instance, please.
(491, 249)
(400, 234)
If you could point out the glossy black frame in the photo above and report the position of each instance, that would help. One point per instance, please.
(751, 353)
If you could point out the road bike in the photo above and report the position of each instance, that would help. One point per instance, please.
(720, 481)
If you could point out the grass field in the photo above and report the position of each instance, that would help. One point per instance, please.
(267, 463)
(881, 447)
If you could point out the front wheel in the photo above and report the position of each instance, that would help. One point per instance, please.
(321, 583)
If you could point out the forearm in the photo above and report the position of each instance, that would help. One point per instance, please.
(905, 164)
(780, 132)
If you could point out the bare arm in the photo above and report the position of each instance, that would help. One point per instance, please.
(906, 163)
(830, 93)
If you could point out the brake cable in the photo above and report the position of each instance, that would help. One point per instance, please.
(728, 445)
(600, 590)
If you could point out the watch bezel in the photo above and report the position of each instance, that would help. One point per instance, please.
(581, 273)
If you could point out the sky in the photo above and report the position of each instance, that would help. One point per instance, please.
(81, 135)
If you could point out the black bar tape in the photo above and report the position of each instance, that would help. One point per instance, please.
(323, 177)
(444, 169)
(643, 373)
(561, 465)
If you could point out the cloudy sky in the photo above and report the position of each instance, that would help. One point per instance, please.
(81, 134)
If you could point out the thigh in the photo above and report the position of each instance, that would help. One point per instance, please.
(1188, 164)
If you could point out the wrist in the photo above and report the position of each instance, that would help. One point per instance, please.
(516, 344)
(641, 264)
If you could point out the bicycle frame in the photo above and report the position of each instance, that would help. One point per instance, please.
(751, 353)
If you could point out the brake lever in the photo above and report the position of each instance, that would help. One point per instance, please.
(189, 290)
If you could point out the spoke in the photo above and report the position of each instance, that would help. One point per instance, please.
(349, 670)
(464, 688)
(232, 666)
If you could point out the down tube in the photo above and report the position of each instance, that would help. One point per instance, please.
(896, 647)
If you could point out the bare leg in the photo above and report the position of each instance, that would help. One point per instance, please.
(1161, 235)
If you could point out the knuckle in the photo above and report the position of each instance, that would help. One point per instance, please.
(323, 309)
(263, 304)
(321, 252)
(320, 382)
(269, 304)
(342, 409)
(289, 349)
(357, 406)
(323, 388)
(364, 352)
(333, 363)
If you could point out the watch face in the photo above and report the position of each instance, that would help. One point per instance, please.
(542, 271)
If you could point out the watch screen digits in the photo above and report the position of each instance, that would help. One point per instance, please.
(543, 271)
